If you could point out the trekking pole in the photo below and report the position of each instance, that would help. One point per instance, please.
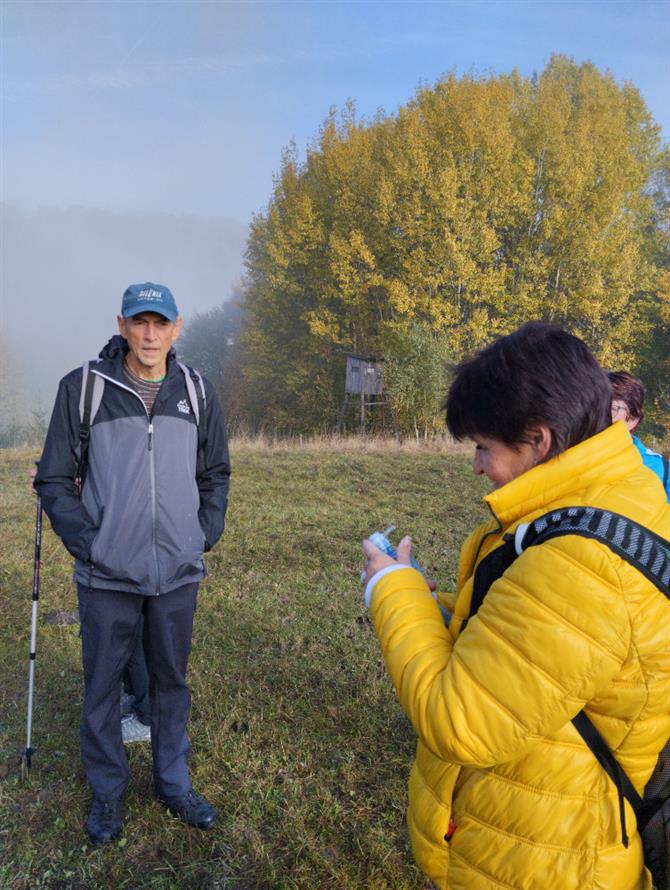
(26, 760)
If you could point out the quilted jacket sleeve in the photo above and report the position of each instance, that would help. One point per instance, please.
(551, 633)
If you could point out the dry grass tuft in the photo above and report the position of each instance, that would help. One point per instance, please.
(354, 443)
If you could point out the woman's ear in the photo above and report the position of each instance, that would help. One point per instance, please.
(541, 441)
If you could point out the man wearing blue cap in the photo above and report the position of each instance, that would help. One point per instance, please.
(134, 477)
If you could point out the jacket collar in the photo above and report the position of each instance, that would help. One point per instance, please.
(110, 362)
(604, 458)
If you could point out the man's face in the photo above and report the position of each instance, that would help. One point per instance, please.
(149, 337)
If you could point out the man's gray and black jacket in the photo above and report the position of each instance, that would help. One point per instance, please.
(152, 502)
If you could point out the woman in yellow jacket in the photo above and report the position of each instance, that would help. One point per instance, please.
(503, 792)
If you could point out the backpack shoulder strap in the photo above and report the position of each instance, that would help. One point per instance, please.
(195, 386)
(603, 754)
(666, 472)
(646, 807)
(639, 546)
(92, 388)
(648, 552)
(492, 567)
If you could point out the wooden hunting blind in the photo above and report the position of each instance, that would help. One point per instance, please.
(364, 380)
(364, 376)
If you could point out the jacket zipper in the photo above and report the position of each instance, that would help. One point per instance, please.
(152, 474)
(152, 483)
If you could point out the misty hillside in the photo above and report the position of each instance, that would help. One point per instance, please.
(54, 262)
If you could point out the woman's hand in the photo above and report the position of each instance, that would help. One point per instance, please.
(376, 560)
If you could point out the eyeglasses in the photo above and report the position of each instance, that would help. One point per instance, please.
(620, 408)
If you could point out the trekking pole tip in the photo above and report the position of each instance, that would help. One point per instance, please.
(26, 761)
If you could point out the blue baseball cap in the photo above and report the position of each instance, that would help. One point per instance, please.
(149, 297)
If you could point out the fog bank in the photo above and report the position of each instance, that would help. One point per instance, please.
(64, 273)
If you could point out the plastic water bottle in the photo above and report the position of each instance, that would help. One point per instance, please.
(381, 540)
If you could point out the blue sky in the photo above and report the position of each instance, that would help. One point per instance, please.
(138, 138)
(184, 107)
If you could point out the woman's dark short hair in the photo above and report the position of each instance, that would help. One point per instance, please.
(539, 374)
(628, 389)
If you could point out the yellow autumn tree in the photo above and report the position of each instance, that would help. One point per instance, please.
(484, 202)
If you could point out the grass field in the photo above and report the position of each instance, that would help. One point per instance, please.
(297, 736)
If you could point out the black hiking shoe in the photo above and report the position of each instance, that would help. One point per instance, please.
(192, 809)
(104, 820)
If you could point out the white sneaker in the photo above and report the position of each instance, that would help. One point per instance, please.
(133, 730)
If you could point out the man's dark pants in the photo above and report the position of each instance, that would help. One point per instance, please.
(136, 677)
(109, 620)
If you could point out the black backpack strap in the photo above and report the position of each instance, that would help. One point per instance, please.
(489, 570)
(85, 408)
(644, 808)
(202, 404)
(648, 552)
(195, 386)
(666, 471)
(601, 751)
(92, 388)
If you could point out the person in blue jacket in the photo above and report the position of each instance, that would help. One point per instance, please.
(153, 500)
(627, 405)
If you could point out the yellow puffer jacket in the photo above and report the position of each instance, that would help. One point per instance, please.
(569, 625)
